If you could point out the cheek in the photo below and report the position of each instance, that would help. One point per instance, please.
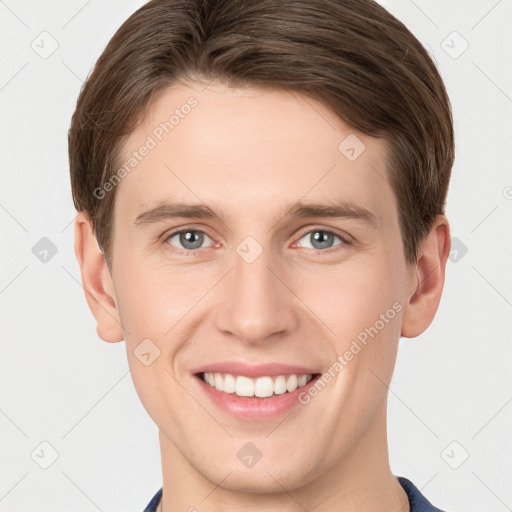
(350, 297)
(152, 300)
(151, 307)
(360, 305)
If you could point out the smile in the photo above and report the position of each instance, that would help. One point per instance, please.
(261, 387)
(260, 398)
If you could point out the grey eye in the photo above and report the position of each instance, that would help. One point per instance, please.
(321, 239)
(189, 238)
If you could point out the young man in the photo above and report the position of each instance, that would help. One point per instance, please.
(261, 190)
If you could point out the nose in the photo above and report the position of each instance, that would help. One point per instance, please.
(257, 304)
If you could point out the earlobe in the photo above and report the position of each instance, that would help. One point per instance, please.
(427, 280)
(97, 282)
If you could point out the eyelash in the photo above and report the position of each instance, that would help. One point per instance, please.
(192, 252)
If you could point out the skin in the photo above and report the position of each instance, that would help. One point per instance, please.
(251, 154)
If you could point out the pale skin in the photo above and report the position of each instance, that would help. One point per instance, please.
(251, 155)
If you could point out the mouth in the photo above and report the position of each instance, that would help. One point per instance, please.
(261, 387)
(258, 398)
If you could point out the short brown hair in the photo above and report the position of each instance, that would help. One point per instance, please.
(351, 55)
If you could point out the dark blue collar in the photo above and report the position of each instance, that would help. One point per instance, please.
(154, 502)
(418, 502)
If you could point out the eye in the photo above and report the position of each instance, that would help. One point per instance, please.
(321, 239)
(189, 239)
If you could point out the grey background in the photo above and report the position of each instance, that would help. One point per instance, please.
(450, 397)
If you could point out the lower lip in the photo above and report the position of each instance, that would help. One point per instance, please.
(254, 408)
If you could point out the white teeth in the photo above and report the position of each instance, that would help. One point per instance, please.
(264, 387)
(244, 386)
(218, 382)
(280, 385)
(229, 384)
(261, 387)
(292, 383)
(302, 380)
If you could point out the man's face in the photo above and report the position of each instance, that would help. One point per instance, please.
(258, 283)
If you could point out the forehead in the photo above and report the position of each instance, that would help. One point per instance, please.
(248, 147)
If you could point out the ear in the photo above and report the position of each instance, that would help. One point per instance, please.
(427, 279)
(97, 282)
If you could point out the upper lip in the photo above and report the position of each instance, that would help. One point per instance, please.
(259, 370)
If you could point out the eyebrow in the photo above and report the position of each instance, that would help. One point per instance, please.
(341, 209)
